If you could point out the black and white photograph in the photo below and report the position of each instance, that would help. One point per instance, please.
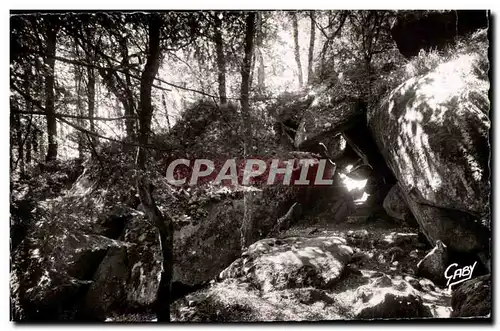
(243, 166)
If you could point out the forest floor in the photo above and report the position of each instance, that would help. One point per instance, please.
(386, 255)
(383, 247)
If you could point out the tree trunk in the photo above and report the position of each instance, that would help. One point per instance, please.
(144, 188)
(19, 142)
(297, 47)
(49, 92)
(28, 150)
(167, 117)
(166, 230)
(324, 50)
(261, 74)
(34, 142)
(147, 79)
(221, 61)
(91, 99)
(247, 223)
(258, 45)
(369, 81)
(79, 110)
(311, 48)
(128, 102)
(41, 144)
(245, 81)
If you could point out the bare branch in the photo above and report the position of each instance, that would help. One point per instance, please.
(34, 112)
(77, 127)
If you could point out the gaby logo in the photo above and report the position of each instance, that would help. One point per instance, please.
(456, 275)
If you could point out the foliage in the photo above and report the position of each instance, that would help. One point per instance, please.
(427, 61)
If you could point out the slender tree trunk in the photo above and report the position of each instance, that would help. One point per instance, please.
(261, 74)
(79, 110)
(311, 48)
(128, 102)
(247, 223)
(167, 117)
(41, 145)
(258, 54)
(129, 107)
(19, 142)
(165, 228)
(324, 50)
(144, 188)
(91, 99)
(221, 60)
(28, 149)
(148, 76)
(34, 142)
(13, 141)
(245, 80)
(369, 82)
(297, 47)
(29, 137)
(49, 92)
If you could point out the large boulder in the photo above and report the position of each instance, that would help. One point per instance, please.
(472, 298)
(416, 30)
(275, 264)
(54, 264)
(435, 140)
(395, 206)
(128, 277)
(287, 112)
(434, 264)
(204, 248)
(326, 117)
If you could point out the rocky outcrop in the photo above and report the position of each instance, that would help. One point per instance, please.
(395, 205)
(202, 250)
(416, 30)
(53, 266)
(302, 278)
(472, 298)
(128, 277)
(325, 118)
(435, 141)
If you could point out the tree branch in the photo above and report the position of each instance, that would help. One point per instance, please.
(34, 112)
(77, 127)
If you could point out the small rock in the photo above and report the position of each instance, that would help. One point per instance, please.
(315, 230)
(413, 253)
(384, 281)
(395, 253)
